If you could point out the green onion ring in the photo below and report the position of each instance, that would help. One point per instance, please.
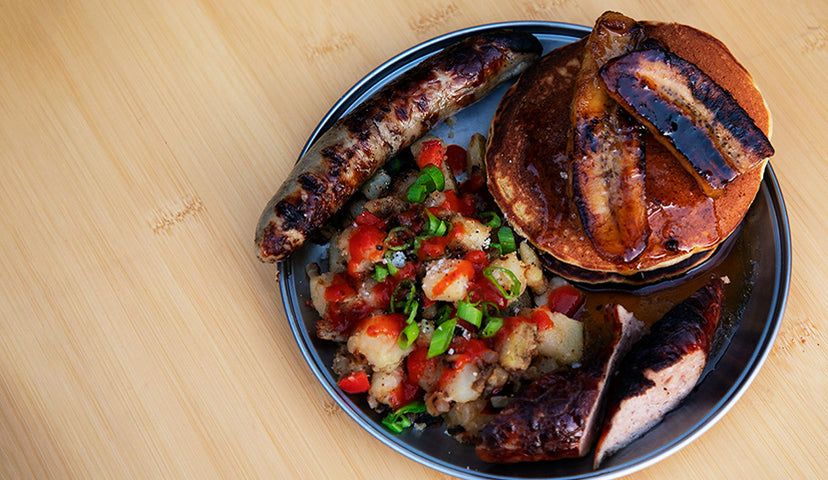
(513, 292)
(396, 421)
(432, 177)
(416, 193)
(443, 313)
(408, 334)
(410, 295)
(380, 272)
(392, 234)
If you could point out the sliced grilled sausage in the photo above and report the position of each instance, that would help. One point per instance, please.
(557, 416)
(390, 120)
(661, 369)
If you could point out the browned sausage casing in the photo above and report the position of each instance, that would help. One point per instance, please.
(662, 368)
(390, 120)
(557, 415)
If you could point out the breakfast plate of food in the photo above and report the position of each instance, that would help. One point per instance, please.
(537, 249)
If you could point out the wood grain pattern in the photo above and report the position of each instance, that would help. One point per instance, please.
(139, 336)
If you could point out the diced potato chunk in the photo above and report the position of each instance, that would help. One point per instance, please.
(375, 340)
(564, 341)
(519, 347)
(470, 416)
(318, 284)
(461, 387)
(447, 279)
(509, 262)
(473, 235)
(476, 153)
(534, 272)
(384, 385)
(417, 146)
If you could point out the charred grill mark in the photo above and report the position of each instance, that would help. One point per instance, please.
(311, 183)
(421, 102)
(292, 215)
(401, 113)
(273, 241)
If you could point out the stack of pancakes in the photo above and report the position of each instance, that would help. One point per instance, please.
(529, 169)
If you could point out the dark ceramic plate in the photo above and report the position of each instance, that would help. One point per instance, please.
(758, 263)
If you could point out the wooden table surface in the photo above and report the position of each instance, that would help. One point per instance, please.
(139, 141)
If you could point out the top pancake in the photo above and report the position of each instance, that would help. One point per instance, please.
(528, 168)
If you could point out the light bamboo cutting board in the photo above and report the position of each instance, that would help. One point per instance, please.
(139, 141)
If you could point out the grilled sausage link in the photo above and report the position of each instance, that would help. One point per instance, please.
(390, 120)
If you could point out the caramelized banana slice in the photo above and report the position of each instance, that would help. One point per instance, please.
(691, 115)
(606, 149)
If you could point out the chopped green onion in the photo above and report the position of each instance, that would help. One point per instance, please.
(487, 307)
(380, 273)
(412, 314)
(430, 179)
(493, 324)
(441, 339)
(433, 178)
(416, 193)
(396, 421)
(442, 229)
(409, 333)
(507, 240)
(393, 235)
(493, 222)
(409, 298)
(434, 226)
(443, 313)
(413, 407)
(392, 270)
(514, 290)
(470, 313)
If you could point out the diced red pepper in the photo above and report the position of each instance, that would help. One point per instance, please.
(541, 318)
(432, 247)
(416, 362)
(456, 158)
(473, 184)
(368, 218)
(478, 257)
(356, 382)
(405, 393)
(432, 153)
(365, 243)
(565, 299)
(463, 205)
